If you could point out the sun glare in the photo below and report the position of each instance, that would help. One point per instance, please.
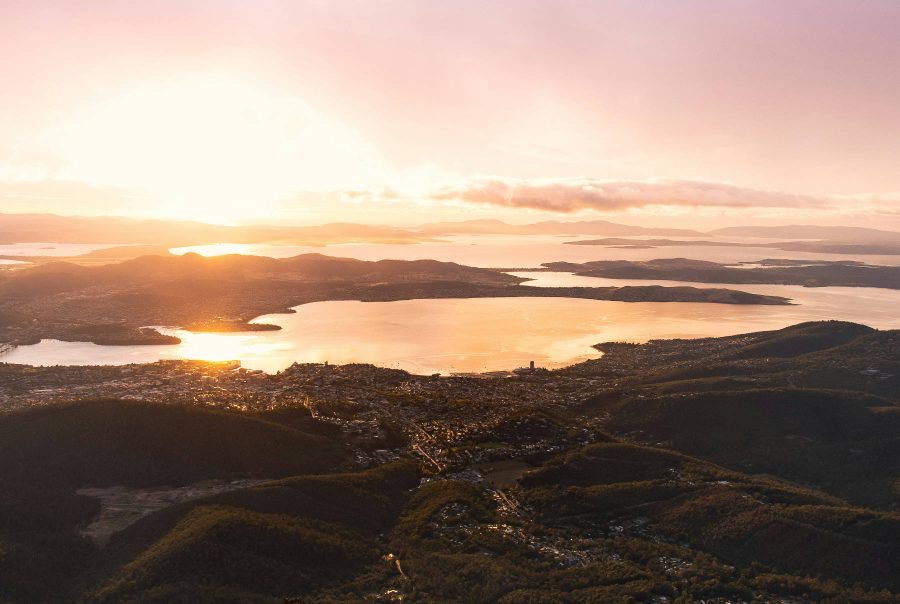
(216, 147)
(214, 249)
(215, 347)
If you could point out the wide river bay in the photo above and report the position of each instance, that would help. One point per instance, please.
(473, 335)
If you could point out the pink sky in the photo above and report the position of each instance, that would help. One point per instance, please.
(794, 99)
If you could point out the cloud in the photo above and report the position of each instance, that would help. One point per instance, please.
(376, 194)
(573, 195)
(207, 145)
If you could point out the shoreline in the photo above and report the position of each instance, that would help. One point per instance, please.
(124, 334)
(599, 350)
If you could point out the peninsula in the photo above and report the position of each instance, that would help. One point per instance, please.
(114, 303)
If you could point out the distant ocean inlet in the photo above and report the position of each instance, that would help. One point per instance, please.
(488, 334)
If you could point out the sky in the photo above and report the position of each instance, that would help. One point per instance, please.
(391, 111)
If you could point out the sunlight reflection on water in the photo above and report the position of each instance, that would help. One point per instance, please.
(427, 336)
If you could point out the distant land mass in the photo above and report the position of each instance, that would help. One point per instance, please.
(883, 247)
(549, 227)
(805, 231)
(809, 273)
(25, 228)
(20, 228)
(835, 234)
(109, 304)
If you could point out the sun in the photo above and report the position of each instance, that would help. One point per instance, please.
(215, 147)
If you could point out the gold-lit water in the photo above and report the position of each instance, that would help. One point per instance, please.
(466, 335)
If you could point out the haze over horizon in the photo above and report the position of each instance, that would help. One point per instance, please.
(697, 114)
(408, 301)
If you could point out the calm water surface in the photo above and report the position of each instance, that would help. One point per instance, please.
(428, 336)
(52, 249)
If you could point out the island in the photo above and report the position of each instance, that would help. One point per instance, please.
(809, 273)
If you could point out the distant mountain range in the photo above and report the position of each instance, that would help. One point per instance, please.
(21, 228)
(548, 227)
(806, 231)
(612, 229)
